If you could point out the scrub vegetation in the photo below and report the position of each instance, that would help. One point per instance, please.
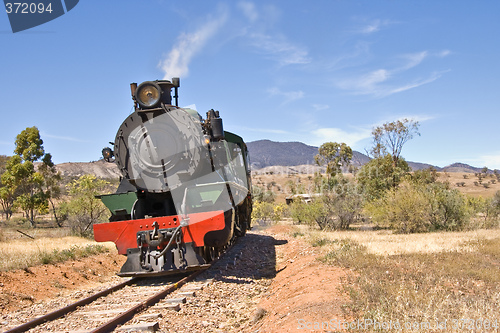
(416, 278)
(384, 193)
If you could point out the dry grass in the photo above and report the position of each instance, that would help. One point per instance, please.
(24, 253)
(384, 242)
(417, 278)
(470, 188)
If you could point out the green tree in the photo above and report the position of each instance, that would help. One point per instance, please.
(391, 137)
(51, 185)
(7, 191)
(29, 145)
(335, 156)
(22, 183)
(380, 175)
(84, 208)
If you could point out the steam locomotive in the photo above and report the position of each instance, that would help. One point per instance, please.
(185, 188)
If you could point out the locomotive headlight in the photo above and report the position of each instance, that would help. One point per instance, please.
(148, 94)
(108, 154)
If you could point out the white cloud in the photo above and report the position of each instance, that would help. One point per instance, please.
(367, 83)
(288, 96)
(491, 161)
(338, 135)
(443, 53)
(413, 59)
(176, 63)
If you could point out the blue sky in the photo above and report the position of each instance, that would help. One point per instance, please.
(309, 71)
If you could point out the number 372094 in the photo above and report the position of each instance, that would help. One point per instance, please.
(27, 8)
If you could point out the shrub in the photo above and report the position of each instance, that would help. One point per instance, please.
(260, 194)
(419, 208)
(310, 213)
(405, 209)
(335, 209)
(449, 208)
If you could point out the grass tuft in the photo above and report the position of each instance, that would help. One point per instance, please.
(75, 252)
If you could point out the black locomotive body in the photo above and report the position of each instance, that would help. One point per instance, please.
(185, 191)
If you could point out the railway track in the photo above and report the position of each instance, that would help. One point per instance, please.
(106, 310)
(115, 306)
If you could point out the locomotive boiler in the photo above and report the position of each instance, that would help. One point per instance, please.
(185, 188)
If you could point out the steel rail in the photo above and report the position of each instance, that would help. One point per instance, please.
(70, 308)
(129, 314)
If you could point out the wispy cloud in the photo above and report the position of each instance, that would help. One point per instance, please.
(288, 96)
(176, 63)
(383, 82)
(279, 49)
(416, 117)
(373, 26)
(320, 107)
(62, 138)
(413, 59)
(267, 41)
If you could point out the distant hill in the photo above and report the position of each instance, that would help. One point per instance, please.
(461, 167)
(266, 153)
(100, 169)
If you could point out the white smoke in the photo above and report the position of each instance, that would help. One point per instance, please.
(176, 63)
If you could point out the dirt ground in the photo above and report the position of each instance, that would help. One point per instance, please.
(302, 291)
(24, 287)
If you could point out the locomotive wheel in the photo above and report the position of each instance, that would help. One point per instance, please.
(241, 222)
(241, 228)
(211, 253)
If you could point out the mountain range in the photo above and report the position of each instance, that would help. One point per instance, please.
(267, 153)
